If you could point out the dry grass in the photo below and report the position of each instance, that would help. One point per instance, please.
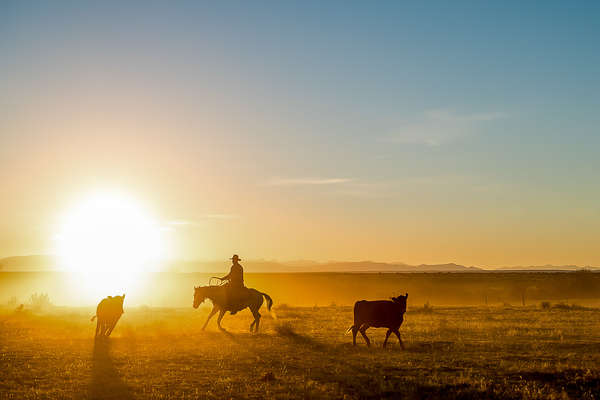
(162, 353)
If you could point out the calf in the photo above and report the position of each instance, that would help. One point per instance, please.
(109, 311)
(379, 314)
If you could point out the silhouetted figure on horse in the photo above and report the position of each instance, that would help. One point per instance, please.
(232, 296)
(235, 290)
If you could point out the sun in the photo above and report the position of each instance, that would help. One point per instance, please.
(108, 240)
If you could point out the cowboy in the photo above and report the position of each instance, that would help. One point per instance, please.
(235, 285)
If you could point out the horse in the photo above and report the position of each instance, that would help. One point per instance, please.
(218, 295)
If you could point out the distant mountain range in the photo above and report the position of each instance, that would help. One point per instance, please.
(49, 263)
(28, 263)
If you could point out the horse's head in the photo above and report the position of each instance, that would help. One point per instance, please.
(402, 301)
(199, 295)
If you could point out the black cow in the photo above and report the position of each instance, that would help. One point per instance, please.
(109, 311)
(379, 314)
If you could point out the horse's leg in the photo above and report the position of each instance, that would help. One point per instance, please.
(256, 319)
(354, 332)
(399, 338)
(97, 327)
(387, 335)
(221, 313)
(253, 322)
(212, 312)
(362, 331)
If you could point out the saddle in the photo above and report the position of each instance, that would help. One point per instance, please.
(237, 299)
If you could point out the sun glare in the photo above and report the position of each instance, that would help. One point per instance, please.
(108, 241)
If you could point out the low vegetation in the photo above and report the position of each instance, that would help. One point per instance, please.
(161, 353)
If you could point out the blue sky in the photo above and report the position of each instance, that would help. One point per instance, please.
(430, 118)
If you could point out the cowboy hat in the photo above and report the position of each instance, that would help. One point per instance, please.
(236, 257)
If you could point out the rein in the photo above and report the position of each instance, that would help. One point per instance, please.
(210, 281)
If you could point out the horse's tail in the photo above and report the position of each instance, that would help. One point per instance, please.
(93, 318)
(269, 300)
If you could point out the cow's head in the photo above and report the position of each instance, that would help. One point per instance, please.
(402, 301)
(120, 299)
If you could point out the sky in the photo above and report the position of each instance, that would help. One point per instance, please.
(426, 132)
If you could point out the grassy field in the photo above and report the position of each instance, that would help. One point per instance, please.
(156, 353)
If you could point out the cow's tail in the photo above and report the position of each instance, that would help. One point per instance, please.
(354, 326)
(93, 318)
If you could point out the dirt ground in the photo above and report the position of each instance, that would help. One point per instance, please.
(162, 353)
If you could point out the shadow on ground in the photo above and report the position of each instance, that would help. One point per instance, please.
(106, 381)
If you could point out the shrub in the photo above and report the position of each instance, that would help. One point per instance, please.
(545, 305)
(568, 307)
(12, 302)
(39, 301)
(427, 309)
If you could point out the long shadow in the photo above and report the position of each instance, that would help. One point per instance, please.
(289, 333)
(106, 381)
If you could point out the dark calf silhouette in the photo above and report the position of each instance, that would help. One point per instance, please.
(379, 314)
(108, 312)
(252, 299)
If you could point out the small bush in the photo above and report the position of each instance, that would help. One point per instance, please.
(40, 301)
(567, 307)
(561, 306)
(545, 305)
(427, 309)
(12, 302)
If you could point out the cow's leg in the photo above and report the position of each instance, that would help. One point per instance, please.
(387, 335)
(212, 312)
(221, 313)
(363, 330)
(399, 338)
(112, 325)
(354, 332)
(107, 327)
